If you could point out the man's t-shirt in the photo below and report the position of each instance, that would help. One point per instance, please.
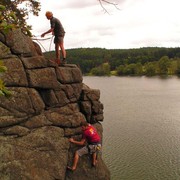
(91, 135)
(58, 28)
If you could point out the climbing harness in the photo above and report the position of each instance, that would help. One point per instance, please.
(94, 148)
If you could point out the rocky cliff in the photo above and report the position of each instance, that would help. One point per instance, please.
(46, 107)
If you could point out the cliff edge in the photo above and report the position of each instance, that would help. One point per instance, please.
(46, 107)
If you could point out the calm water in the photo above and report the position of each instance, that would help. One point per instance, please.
(141, 126)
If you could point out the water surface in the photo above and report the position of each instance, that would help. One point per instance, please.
(141, 126)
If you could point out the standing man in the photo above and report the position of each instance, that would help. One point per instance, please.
(58, 31)
(89, 135)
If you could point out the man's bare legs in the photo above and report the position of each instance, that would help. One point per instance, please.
(61, 45)
(57, 54)
(75, 161)
(94, 159)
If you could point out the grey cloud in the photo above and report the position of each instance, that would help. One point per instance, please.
(89, 3)
(86, 25)
(79, 4)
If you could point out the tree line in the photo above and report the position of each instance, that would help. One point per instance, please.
(141, 61)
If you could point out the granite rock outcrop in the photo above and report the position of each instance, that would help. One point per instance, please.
(46, 106)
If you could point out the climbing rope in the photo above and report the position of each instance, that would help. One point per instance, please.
(35, 38)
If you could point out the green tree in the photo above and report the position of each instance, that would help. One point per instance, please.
(138, 69)
(178, 67)
(17, 14)
(150, 69)
(5, 26)
(96, 71)
(172, 67)
(106, 68)
(130, 69)
(120, 70)
(164, 64)
(102, 70)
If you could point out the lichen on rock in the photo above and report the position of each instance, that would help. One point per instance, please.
(47, 105)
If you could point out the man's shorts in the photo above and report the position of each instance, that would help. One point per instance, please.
(89, 149)
(58, 39)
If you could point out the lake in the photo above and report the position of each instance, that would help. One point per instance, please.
(141, 138)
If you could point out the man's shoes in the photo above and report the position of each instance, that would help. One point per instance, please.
(58, 62)
(64, 61)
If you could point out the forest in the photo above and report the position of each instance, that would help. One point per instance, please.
(148, 61)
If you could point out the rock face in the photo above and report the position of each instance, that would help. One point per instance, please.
(47, 105)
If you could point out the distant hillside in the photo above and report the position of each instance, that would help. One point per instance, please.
(88, 58)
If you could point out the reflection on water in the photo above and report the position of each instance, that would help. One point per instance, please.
(141, 126)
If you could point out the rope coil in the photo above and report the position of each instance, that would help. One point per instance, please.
(44, 39)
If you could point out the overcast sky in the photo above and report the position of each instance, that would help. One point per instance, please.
(138, 23)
